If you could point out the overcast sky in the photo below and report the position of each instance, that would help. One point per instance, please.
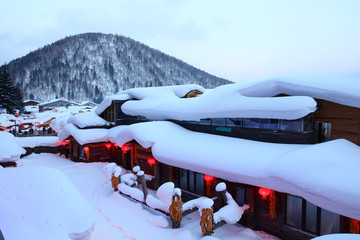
(233, 39)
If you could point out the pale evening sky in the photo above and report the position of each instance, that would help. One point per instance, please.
(233, 39)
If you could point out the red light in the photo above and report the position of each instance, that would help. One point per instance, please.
(208, 178)
(125, 147)
(115, 145)
(151, 161)
(264, 192)
(64, 143)
(108, 145)
(86, 149)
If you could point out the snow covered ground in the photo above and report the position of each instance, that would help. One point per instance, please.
(117, 217)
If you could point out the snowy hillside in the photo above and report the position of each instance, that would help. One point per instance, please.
(91, 66)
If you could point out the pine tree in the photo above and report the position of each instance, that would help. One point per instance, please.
(10, 96)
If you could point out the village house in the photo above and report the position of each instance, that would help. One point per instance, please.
(299, 175)
(49, 105)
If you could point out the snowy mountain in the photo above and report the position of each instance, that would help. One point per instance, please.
(91, 66)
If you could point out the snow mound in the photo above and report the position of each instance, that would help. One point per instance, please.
(11, 151)
(165, 192)
(44, 204)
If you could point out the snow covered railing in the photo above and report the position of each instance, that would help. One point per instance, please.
(168, 200)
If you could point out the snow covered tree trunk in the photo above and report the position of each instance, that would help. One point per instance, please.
(176, 211)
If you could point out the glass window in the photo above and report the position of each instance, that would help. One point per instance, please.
(251, 122)
(199, 181)
(191, 180)
(330, 222)
(291, 125)
(183, 179)
(293, 211)
(206, 121)
(218, 121)
(310, 217)
(240, 196)
(269, 124)
(233, 122)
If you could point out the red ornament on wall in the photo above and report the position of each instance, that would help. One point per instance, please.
(86, 149)
(264, 192)
(151, 161)
(208, 178)
(108, 145)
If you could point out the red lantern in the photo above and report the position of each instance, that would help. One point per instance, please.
(86, 149)
(125, 147)
(208, 178)
(64, 143)
(108, 145)
(115, 145)
(264, 192)
(151, 161)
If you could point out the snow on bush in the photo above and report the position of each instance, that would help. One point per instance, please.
(117, 171)
(165, 193)
(230, 213)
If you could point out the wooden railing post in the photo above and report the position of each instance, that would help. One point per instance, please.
(141, 175)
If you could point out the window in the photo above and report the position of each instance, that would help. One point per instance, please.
(251, 122)
(291, 125)
(304, 215)
(206, 121)
(218, 121)
(192, 181)
(233, 122)
(269, 124)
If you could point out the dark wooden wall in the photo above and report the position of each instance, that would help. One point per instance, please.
(345, 120)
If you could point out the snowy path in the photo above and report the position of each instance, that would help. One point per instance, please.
(118, 218)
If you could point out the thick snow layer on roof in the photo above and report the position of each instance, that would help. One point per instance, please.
(339, 236)
(218, 103)
(57, 100)
(38, 141)
(10, 151)
(325, 174)
(5, 120)
(84, 136)
(342, 88)
(41, 203)
(88, 119)
(164, 92)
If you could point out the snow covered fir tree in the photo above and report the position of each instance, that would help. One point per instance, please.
(11, 97)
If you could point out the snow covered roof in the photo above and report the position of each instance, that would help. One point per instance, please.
(38, 141)
(10, 151)
(342, 88)
(88, 119)
(223, 101)
(5, 120)
(84, 136)
(41, 203)
(57, 101)
(319, 173)
(164, 92)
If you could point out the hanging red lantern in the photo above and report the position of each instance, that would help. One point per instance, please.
(86, 149)
(208, 178)
(125, 147)
(64, 143)
(151, 161)
(264, 192)
(115, 145)
(108, 145)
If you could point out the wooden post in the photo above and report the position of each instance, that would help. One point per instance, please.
(176, 210)
(221, 189)
(143, 183)
(115, 181)
(207, 217)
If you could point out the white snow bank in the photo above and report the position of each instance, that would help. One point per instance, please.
(164, 92)
(165, 193)
(10, 151)
(339, 236)
(84, 136)
(342, 88)
(59, 123)
(223, 101)
(325, 174)
(88, 119)
(37, 141)
(41, 203)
